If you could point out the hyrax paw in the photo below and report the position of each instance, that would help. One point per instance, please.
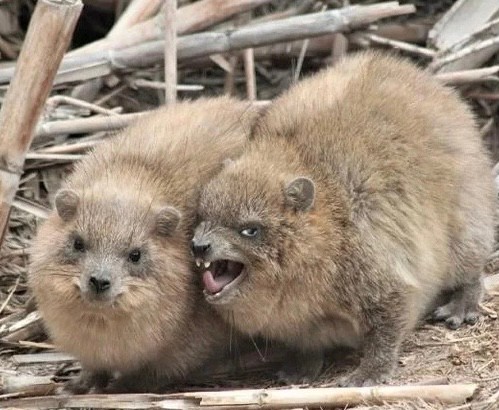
(471, 317)
(293, 378)
(86, 382)
(359, 378)
(302, 370)
(75, 386)
(454, 315)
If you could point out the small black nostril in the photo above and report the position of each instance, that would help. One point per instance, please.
(105, 285)
(199, 250)
(99, 285)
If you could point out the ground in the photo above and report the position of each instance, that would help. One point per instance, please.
(433, 354)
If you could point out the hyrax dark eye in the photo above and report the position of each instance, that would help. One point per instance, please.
(134, 256)
(78, 245)
(250, 232)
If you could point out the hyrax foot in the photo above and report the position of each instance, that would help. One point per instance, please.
(140, 381)
(380, 347)
(86, 381)
(301, 369)
(454, 315)
(462, 308)
(361, 378)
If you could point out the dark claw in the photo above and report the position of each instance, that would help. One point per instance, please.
(358, 379)
(471, 318)
(453, 322)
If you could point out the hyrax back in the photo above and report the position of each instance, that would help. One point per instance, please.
(363, 195)
(111, 269)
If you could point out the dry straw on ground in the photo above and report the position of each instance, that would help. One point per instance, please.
(254, 49)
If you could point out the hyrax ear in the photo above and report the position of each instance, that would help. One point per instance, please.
(66, 204)
(167, 220)
(300, 194)
(227, 162)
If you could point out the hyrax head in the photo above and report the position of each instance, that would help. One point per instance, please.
(110, 274)
(108, 250)
(253, 218)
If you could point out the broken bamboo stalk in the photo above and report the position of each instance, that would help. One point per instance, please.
(158, 85)
(257, 35)
(222, 62)
(27, 332)
(461, 20)
(48, 357)
(302, 7)
(136, 12)
(315, 397)
(249, 70)
(35, 71)
(321, 46)
(230, 75)
(86, 125)
(30, 319)
(400, 45)
(472, 51)
(193, 17)
(292, 28)
(256, 399)
(53, 157)
(339, 48)
(468, 57)
(170, 11)
(248, 61)
(301, 59)
(95, 124)
(468, 76)
(33, 209)
(27, 385)
(205, 44)
(54, 101)
(301, 56)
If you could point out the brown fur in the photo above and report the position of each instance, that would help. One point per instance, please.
(155, 322)
(403, 210)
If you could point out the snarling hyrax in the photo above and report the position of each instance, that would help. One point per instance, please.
(364, 194)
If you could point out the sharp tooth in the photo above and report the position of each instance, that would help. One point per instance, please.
(207, 264)
(198, 262)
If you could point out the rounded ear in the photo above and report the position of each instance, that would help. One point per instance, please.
(300, 194)
(167, 220)
(227, 162)
(66, 204)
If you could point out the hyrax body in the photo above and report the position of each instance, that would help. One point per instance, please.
(364, 194)
(111, 268)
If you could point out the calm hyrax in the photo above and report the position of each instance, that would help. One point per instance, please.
(111, 270)
(364, 194)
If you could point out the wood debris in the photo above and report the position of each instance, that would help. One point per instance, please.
(256, 399)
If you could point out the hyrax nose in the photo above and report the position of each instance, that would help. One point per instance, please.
(200, 249)
(99, 285)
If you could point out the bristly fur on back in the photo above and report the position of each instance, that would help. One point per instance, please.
(364, 194)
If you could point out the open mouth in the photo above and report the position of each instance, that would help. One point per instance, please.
(221, 275)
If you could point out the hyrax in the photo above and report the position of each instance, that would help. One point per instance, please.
(364, 194)
(111, 268)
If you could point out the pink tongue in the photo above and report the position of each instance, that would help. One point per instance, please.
(215, 285)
